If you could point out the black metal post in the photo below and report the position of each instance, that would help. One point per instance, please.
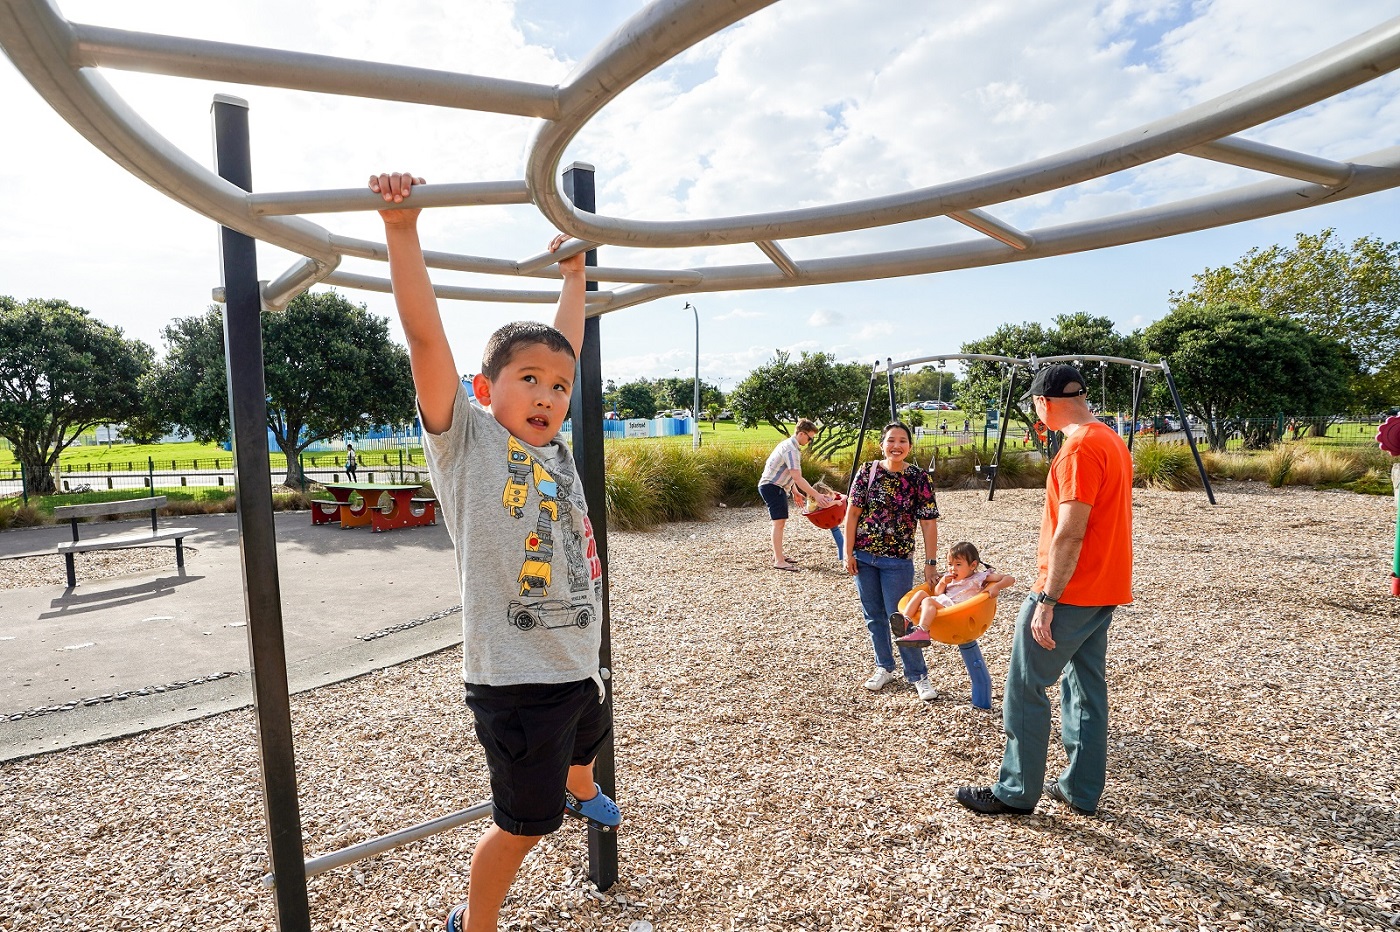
(864, 420)
(1190, 436)
(257, 535)
(1001, 434)
(889, 378)
(586, 412)
(1137, 402)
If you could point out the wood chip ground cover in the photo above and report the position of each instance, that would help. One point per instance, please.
(1253, 779)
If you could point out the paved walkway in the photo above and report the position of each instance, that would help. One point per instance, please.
(164, 645)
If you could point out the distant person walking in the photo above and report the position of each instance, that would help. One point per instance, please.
(350, 465)
(1085, 571)
(782, 474)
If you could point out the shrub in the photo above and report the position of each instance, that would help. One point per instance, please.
(1329, 468)
(290, 501)
(14, 514)
(652, 483)
(1242, 467)
(1278, 464)
(734, 472)
(1164, 466)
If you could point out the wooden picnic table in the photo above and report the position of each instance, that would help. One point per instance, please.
(404, 508)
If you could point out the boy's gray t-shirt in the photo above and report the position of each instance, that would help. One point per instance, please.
(527, 563)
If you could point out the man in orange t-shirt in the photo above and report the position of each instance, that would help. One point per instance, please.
(1085, 562)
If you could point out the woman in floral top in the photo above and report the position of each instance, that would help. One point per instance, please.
(889, 498)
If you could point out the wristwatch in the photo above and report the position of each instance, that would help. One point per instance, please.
(1044, 599)
(930, 562)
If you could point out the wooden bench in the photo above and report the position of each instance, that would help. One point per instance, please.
(139, 538)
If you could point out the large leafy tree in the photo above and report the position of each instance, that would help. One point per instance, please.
(680, 393)
(1110, 384)
(1348, 293)
(331, 369)
(1237, 368)
(61, 373)
(633, 399)
(929, 383)
(815, 386)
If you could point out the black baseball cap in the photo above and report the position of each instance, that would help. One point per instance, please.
(1050, 382)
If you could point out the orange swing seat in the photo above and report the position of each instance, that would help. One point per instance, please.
(957, 624)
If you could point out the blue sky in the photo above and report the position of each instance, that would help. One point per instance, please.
(806, 102)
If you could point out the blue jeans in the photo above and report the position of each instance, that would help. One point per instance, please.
(1078, 660)
(881, 582)
(840, 539)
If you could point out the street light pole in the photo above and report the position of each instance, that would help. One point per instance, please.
(695, 410)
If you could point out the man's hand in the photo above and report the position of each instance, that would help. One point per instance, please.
(1040, 625)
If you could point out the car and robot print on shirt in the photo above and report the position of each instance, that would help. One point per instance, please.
(535, 608)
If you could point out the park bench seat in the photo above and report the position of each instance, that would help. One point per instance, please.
(141, 538)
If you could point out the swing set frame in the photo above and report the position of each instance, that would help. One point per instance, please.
(1008, 399)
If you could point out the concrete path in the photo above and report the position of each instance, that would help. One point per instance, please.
(121, 655)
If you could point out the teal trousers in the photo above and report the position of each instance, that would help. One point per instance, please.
(1081, 649)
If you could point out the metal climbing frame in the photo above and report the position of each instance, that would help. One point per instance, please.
(61, 60)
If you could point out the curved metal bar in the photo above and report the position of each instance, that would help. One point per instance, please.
(1344, 66)
(100, 46)
(39, 41)
(454, 292)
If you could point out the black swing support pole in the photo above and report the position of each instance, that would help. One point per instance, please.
(1001, 434)
(864, 421)
(586, 413)
(1137, 401)
(1190, 436)
(889, 377)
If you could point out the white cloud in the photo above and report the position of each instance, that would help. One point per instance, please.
(825, 318)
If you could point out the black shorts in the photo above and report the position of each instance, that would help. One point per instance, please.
(776, 499)
(532, 734)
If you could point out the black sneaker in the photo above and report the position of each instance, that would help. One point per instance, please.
(1052, 789)
(981, 799)
(899, 625)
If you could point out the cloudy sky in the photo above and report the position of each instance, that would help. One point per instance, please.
(807, 102)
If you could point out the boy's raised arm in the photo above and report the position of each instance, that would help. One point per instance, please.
(568, 319)
(435, 376)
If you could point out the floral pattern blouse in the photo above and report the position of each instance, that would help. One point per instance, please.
(891, 506)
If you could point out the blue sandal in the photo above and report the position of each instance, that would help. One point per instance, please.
(599, 812)
(454, 918)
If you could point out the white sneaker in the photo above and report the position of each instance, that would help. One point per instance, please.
(926, 690)
(879, 679)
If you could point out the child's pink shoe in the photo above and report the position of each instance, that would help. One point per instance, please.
(917, 637)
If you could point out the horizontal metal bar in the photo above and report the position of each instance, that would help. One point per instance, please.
(1015, 361)
(545, 259)
(1265, 158)
(101, 46)
(459, 292)
(991, 226)
(342, 200)
(404, 836)
(780, 258)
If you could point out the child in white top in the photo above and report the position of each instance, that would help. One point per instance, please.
(967, 576)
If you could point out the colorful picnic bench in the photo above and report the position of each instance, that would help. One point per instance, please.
(383, 507)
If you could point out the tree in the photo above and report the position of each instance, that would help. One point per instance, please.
(1110, 385)
(1351, 295)
(1232, 365)
(680, 393)
(61, 373)
(634, 399)
(331, 369)
(712, 412)
(930, 383)
(816, 387)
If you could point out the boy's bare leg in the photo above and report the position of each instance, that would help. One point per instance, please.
(495, 862)
(580, 781)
